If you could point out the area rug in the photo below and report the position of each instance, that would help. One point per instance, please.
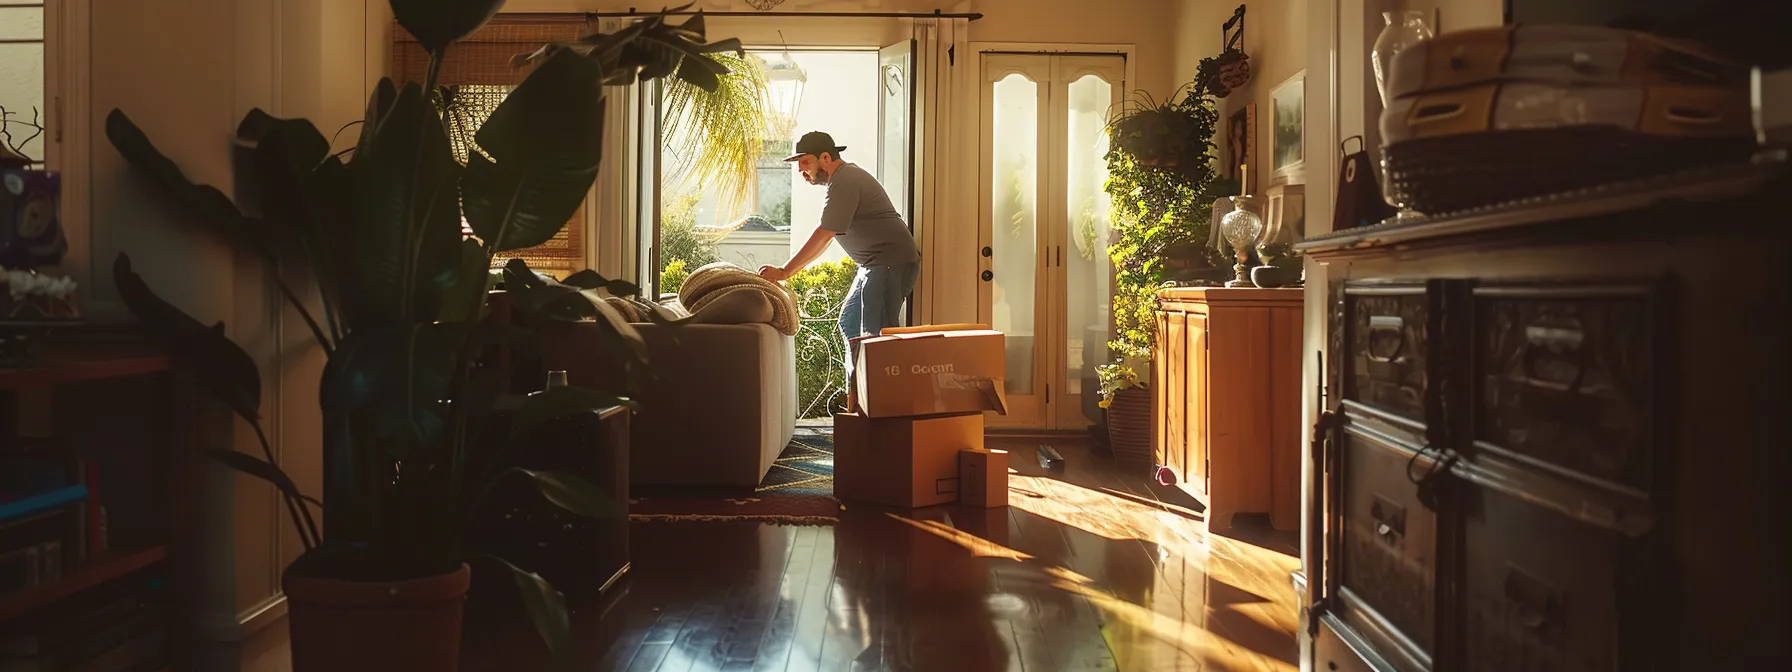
(799, 490)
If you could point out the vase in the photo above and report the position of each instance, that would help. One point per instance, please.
(1404, 29)
(1129, 426)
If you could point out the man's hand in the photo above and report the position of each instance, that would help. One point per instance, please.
(774, 273)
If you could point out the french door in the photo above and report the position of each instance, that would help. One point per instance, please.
(1044, 275)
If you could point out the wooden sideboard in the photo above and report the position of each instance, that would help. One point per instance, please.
(1227, 371)
(1555, 437)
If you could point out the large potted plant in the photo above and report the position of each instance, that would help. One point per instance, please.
(1157, 207)
(405, 398)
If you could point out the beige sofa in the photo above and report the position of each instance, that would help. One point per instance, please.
(717, 410)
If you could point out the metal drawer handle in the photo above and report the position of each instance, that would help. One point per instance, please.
(1387, 338)
(1390, 519)
(1560, 345)
(1538, 605)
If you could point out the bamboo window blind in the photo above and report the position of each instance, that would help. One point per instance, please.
(479, 70)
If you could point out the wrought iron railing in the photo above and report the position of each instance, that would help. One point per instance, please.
(820, 353)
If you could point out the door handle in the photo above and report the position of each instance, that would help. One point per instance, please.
(989, 275)
(987, 251)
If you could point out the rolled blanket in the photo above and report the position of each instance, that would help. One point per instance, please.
(723, 293)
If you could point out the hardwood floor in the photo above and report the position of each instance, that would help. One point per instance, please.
(1086, 570)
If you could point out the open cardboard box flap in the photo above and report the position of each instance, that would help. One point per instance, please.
(930, 371)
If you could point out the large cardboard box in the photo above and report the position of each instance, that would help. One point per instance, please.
(929, 373)
(907, 462)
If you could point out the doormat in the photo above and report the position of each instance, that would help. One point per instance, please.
(799, 490)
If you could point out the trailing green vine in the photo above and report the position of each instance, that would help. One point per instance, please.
(1159, 168)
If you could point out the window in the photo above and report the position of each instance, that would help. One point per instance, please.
(24, 94)
(478, 75)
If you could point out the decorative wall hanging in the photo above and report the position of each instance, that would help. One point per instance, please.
(1231, 69)
(1241, 144)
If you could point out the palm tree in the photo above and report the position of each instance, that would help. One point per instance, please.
(720, 134)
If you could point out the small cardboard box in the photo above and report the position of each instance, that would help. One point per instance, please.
(983, 478)
(929, 373)
(907, 462)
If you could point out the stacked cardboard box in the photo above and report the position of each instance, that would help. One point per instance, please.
(913, 431)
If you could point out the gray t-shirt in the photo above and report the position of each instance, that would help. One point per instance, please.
(868, 227)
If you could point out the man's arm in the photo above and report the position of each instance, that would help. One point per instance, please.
(836, 216)
(811, 250)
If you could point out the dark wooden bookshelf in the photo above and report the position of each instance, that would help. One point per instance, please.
(105, 567)
(117, 401)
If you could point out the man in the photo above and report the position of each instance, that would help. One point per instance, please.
(858, 213)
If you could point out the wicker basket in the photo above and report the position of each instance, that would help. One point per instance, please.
(1458, 172)
(1129, 426)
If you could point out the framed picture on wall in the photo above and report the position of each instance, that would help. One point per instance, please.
(1287, 133)
(1241, 136)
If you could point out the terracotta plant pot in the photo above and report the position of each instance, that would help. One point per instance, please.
(1129, 426)
(354, 626)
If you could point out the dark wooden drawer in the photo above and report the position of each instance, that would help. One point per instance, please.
(1539, 589)
(1387, 349)
(1567, 378)
(1388, 546)
(1331, 653)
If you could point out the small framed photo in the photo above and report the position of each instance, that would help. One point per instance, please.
(1287, 133)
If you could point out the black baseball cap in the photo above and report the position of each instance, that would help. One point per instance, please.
(816, 142)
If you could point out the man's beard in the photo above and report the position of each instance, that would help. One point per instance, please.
(820, 176)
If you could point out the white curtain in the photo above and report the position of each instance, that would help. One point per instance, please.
(945, 174)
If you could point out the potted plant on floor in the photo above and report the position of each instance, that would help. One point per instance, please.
(405, 397)
(1159, 212)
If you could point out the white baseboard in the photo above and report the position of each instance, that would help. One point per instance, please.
(262, 615)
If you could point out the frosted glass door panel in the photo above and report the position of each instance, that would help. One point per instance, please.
(1088, 269)
(1014, 234)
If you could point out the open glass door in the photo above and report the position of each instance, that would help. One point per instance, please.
(896, 133)
(647, 185)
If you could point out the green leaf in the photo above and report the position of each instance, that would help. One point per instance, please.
(573, 494)
(437, 23)
(545, 142)
(287, 155)
(547, 609)
(379, 104)
(466, 301)
(649, 49)
(405, 247)
(560, 402)
(390, 381)
(206, 202)
(262, 469)
(219, 366)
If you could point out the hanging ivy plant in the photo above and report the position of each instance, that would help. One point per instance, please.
(1159, 167)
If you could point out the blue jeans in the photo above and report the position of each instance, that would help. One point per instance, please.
(875, 302)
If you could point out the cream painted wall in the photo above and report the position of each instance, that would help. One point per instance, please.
(1275, 38)
(186, 71)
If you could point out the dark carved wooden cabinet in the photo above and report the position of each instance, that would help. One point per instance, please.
(1554, 440)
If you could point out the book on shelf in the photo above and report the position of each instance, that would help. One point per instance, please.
(120, 625)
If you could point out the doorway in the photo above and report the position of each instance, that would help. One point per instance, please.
(1046, 280)
(754, 209)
